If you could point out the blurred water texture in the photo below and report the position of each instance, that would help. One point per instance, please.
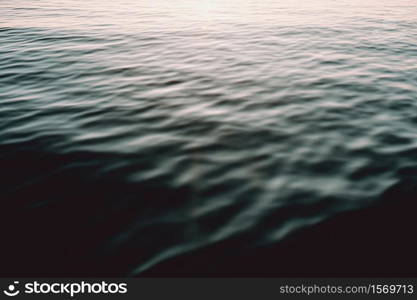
(161, 127)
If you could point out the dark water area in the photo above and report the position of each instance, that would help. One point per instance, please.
(208, 138)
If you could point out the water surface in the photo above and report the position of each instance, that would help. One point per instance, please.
(156, 128)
